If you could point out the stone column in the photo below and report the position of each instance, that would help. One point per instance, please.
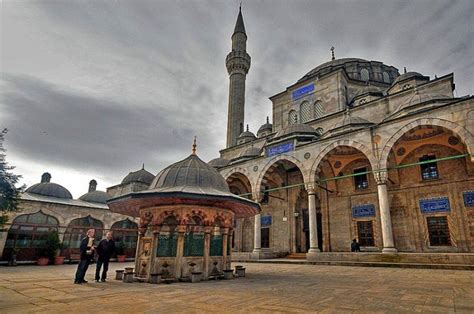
(181, 229)
(207, 248)
(257, 240)
(225, 243)
(313, 227)
(385, 219)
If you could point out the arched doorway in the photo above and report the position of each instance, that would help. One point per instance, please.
(125, 232)
(77, 229)
(284, 206)
(239, 184)
(347, 200)
(430, 180)
(27, 234)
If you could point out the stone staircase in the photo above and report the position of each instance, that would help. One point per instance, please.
(296, 256)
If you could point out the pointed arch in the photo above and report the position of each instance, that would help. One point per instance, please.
(271, 162)
(460, 131)
(359, 146)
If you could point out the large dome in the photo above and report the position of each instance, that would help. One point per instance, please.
(375, 70)
(47, 188)
(190, 174)
(141, 175)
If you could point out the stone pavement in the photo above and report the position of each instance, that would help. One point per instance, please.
(267, 288)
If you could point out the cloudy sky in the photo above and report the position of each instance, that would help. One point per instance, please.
(93, 89)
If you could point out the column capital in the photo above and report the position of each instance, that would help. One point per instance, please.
(310, 188)
(381, 176)
(257, 196)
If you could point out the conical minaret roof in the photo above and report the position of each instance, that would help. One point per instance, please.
(239, 25)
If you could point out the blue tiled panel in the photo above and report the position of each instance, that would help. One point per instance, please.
(435, 205)
(361, 211)
(279, 149)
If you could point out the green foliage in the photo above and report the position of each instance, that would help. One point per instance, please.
(120, 248)
(9, 193)
(51, 246)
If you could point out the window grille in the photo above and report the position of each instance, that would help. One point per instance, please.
(365, 233)
(305, 112)
(438, 230)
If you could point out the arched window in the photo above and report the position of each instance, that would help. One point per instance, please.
(77, 229)
(364, 74)
(126, 232)
(319, 131)
(386, 77)
(318, 110)
(28, 233)
(305, 112)
(292, 117)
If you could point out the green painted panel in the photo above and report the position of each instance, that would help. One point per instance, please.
(194, 244)
(216, 245)
(167, 244)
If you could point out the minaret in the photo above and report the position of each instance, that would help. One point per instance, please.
(238, 65)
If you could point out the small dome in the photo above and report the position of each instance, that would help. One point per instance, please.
(141, 175)
(408, 75)
(95, 197)
(347, 119)
(251, 152)
(368, 89)
(47, 188)
(297, 128)
(267, 127)
(190, 173)
(218, 162)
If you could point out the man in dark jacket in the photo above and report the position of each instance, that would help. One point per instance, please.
(105, 249)
(87, 252)
(355, 247)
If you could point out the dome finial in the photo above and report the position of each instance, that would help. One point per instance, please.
(268, 120)
(404, 70)
(194, 146)
(143, 166)
(332, 53)
(247, 127)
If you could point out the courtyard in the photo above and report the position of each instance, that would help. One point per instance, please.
(266, 288)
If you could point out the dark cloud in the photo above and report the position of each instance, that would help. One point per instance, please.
(62, 126)
(106, 85)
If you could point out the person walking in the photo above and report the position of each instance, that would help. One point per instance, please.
(87, 252)
(105, 249)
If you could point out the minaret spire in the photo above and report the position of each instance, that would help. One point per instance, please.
(238, 65)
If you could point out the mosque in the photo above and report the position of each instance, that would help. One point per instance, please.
(353, 150)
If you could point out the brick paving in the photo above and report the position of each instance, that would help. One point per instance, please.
(267, 288)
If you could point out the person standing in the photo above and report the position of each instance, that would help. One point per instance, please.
(87, 249)
(105, 249)
(355, 247)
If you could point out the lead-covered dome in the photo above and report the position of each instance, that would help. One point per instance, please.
(409, 75)
(265, 129)
(218, 162)
(95, 196)
(297, 128)
(190, 174)
(141, 175)
(47, 188)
